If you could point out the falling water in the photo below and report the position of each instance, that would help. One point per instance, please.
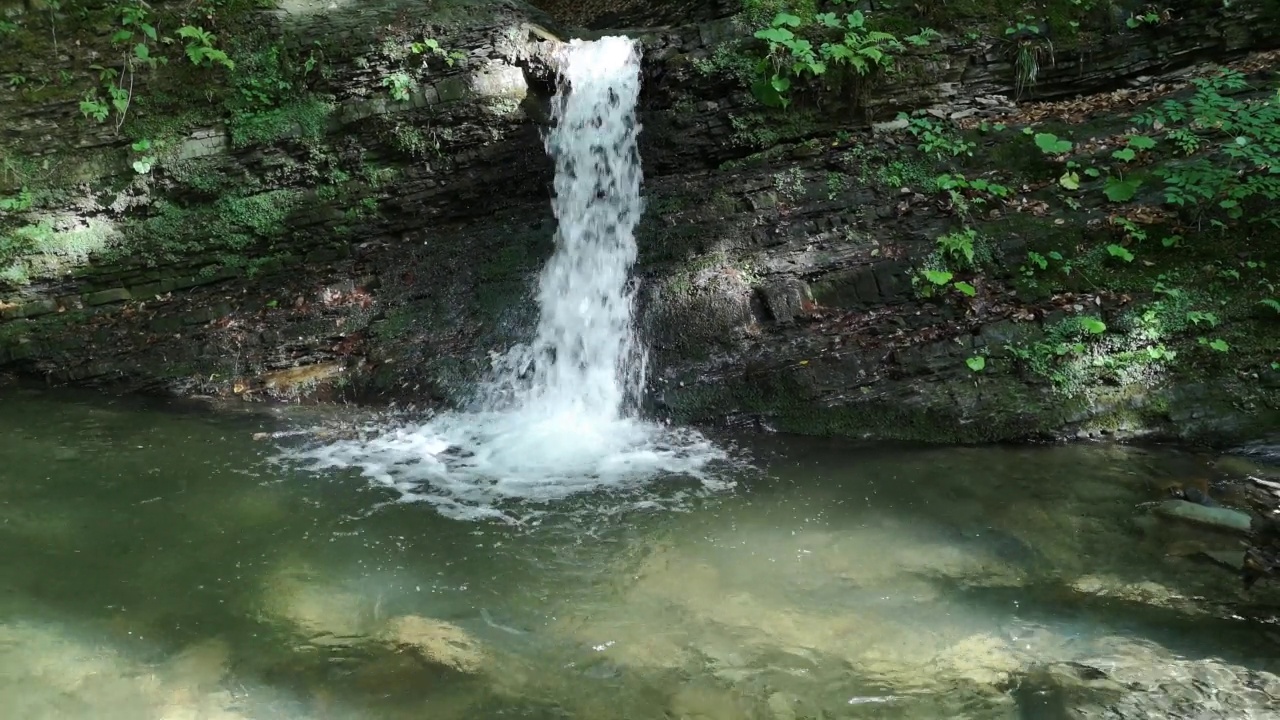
(559, 415)
(584, 361)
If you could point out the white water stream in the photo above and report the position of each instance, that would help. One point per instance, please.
(558, 416)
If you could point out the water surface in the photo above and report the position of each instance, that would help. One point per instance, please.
(163, 564)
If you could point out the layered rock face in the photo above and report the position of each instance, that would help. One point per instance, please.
(360, 206)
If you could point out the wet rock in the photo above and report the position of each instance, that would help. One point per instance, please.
(983, 660)
(1214, 517)
(786, 300)
(1147, 593)
(436, 641)
(1159, 684)
(54, 672)
(1245, 466)
(291, 381)
(317, 608)
(200, 667)
(782, 706)
(1055, 690)
(699, 702)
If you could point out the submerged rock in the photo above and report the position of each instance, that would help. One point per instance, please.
(1215, 517)
(1124, 678)
(437, 641)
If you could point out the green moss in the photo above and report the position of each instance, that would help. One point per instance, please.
(51, 246)
(509, 261)
(729, 59)
(764, 130)
(761, 12)
(305, 118)
(411, 140)
(212, 176)
(399, 323)
(890, 168)
(222, 231)
(994, 407)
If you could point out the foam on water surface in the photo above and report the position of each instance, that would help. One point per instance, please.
(557, 416)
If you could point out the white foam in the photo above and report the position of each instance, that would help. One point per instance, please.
(558, 416)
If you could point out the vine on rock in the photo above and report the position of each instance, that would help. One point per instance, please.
(137, 40)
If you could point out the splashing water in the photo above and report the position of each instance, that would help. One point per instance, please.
(558, 417)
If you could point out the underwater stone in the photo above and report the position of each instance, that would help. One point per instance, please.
(1223, 518)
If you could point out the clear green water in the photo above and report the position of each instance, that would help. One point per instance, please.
(157, 564)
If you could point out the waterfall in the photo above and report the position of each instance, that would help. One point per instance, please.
(584, 360)
(559, 415)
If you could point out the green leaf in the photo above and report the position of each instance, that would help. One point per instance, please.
(1070, 181)
(976, 363)
(1124, 154)
(872, 52)
(965, 288)
(1141, 142)
(775, 35)
(766, 94)
(149, 30)
(937, 277)
(1118, 190)
(786, 19)
(1219, 344)
(1093, 325)
(141, 51)
(781, 83)
(121, 36)
(1092, 172)
(1121, 252)
(1051, 145)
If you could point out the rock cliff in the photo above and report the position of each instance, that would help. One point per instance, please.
(354, 203)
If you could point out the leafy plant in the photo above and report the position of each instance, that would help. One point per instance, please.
(976, 363)
(935, 139)
(923, 38)
(431, 46)
(963, 193)
(959, 245)
(1236, 144)
(400, 86)
(1138, 20)
(200, 49)
(1119, 189)
(1199, 317)
(937, 279)
(805, 48)
(1036, 260)
(146, 160)
(1091, 325)
(1028, 48)
(18, 203)
(138, 43)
